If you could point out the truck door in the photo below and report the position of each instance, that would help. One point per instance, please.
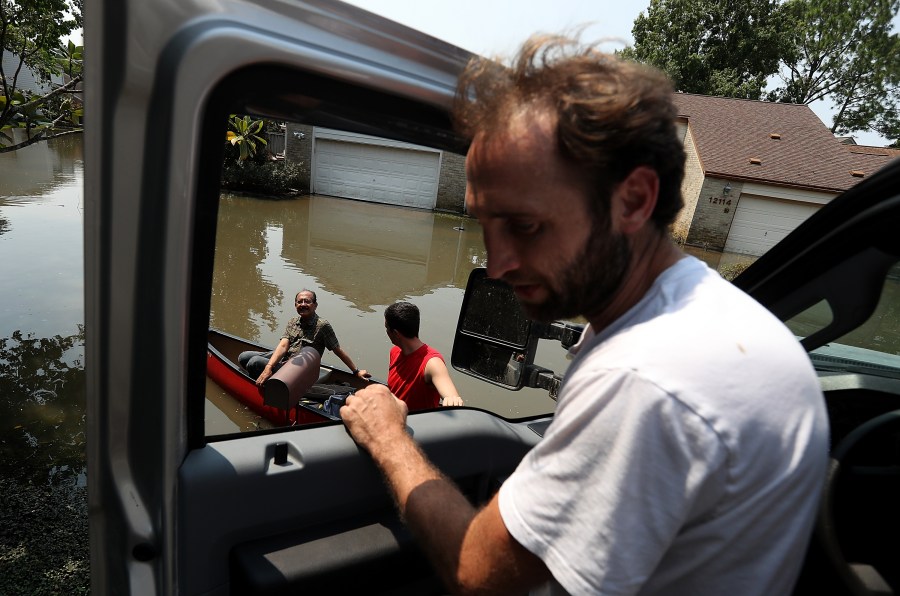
(174, 511)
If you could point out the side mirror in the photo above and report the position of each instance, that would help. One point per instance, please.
(496, 343)
(493, 340)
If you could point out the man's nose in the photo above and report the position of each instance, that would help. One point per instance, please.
(501, 254)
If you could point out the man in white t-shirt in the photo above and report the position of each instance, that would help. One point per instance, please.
(689, 444)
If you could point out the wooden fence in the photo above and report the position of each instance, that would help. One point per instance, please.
(276, 142)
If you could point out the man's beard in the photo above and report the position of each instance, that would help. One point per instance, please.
(588, 283)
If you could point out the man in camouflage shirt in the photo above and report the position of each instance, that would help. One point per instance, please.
(306, 329)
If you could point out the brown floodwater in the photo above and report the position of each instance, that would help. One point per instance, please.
(358, 257)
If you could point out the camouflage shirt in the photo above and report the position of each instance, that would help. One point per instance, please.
(316, 332)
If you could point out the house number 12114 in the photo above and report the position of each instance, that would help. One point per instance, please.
(718, 201)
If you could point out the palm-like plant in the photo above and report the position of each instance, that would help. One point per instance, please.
(243, 133)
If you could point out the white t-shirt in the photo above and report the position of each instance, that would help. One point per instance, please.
(686, 455)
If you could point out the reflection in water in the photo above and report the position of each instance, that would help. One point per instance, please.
(41, 306)
(39, 169)
(43, 515)
(42, 401)
(366, 253)
(41, 239)
(358, 257)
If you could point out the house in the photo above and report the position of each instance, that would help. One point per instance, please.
(367, 168)
(756, 170)
(28, 79)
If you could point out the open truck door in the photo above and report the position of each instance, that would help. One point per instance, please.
(174, 511)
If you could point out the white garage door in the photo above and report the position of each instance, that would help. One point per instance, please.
(376, 173)
(760, 223)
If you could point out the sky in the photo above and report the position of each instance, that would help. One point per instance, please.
(497, 27)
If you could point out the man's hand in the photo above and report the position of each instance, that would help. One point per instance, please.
(363, 373)
(472, 550)
(264, 376)
(452, 400)
(374, 415)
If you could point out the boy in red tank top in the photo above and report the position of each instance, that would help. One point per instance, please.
(417, 374)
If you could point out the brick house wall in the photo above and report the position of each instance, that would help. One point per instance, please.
(451, 194)
(690, 186)
(298, 150)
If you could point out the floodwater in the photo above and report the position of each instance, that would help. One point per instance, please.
(42, 403)
(43, 510)
(358, 257)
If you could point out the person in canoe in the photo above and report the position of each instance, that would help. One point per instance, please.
(306, 329)
(417, 374)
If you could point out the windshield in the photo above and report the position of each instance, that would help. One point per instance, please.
(872, 348)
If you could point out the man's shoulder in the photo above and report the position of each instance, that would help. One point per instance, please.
(431, 355)
(431, 352)
(321, 322)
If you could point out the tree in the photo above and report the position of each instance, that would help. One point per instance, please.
(244, 135)
(31, 31)
(843, 51)
(711, 47)
(249, 166)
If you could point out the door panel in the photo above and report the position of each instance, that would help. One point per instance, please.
(324, 517)
(173, 513)
(166, 507)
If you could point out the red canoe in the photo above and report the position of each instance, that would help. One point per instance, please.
(221, 366)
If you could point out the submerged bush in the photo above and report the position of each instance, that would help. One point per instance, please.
(268, 177)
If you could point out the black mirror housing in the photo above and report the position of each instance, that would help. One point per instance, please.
(494, 340)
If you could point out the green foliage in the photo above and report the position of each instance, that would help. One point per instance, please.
(243, 135)
(840, 51)
(843, 51)
(32, 31)
(268, 177)
(69, 58)
(711, 47)
(249, 166)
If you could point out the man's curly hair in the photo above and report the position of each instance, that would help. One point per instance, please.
(611, 115)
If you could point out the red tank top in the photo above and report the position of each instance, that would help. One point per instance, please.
(406, 378)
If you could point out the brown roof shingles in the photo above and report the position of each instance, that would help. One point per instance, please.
(729, 132)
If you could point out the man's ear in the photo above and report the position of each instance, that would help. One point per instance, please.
(634, 199)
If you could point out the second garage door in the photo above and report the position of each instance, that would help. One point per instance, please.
(377, 173)
(759, 223)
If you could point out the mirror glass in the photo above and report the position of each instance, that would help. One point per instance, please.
(493, 339)
(492, 311)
